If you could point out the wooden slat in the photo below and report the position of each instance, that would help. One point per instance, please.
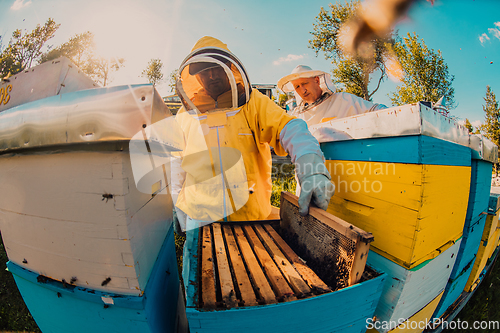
(225, 279)
(343, 227)
(207, 270)
(299, 286)
(307, 274)
(241, 276)
(264, 290)
(273, 273)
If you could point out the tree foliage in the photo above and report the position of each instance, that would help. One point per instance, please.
(425, 73)
(469, 126)
(172, 78)
(153, 71)
(81, 50)
(491, 126)
(352, 73)
(24, 49)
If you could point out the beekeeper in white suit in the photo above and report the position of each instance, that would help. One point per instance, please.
(317, 99)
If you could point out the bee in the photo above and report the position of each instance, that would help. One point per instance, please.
(105, 282)
(41, 279)
(107, 196)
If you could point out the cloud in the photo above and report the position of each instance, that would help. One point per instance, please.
(18, 4)
(476, 123)
(495, 32)
(484, 37)
(290, 57)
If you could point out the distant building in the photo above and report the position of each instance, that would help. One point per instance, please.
(266, 89)
(173, 103)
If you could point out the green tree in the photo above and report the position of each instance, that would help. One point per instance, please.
(469, 126)
(103, 67)
(153, 71)
(172, 78)
(491, 126)
(282, 98)
(425, 74)
(352, 73)
(24, 48)
(81, 50)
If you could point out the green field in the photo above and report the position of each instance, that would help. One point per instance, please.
(483, 306)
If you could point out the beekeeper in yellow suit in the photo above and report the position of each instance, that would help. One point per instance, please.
(228, 129)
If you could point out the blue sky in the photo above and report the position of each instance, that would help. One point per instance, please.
(270, 37)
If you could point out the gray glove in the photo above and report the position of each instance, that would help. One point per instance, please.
(315, 183)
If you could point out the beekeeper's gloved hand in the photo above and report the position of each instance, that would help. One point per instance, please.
(313, 176)
(315, 183)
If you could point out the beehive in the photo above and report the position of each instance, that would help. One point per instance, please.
(406, 291)
(414, 210)
(472, 232)
(259, 275)
(488, 243)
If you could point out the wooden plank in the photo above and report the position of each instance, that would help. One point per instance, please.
(307, 274)
(298, 285)
(414, 149)
(242, 280)
(208, 296)
(422, 316)
(225, 278)
(264, 290)
(345, 228)
(276, 279)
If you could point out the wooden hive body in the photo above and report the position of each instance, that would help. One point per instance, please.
(472, 232)
(248, 275)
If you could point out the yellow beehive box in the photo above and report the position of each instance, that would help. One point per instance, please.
(489, 242)
(414, 211)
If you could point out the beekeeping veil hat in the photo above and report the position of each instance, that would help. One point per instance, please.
(302, 72)
(233, 89)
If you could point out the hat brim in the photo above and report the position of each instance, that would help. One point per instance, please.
(285, 83)
(198, 67)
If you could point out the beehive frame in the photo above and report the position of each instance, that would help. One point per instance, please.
(335, 249)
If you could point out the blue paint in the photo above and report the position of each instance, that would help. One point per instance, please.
(190, 266)
(416, 149)
(463, 265)
(479, 189)
(479, 198)
(57, 309)
(345, 310)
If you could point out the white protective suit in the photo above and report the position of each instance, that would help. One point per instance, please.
(330, 105)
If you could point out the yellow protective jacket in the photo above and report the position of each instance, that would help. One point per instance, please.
(227, 156)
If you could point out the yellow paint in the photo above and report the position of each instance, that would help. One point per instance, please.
(4, 94)
(486, 249)
(417, 322)
(414, 211)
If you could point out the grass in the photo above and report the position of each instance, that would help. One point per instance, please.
(14, 316)
(484, 304)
